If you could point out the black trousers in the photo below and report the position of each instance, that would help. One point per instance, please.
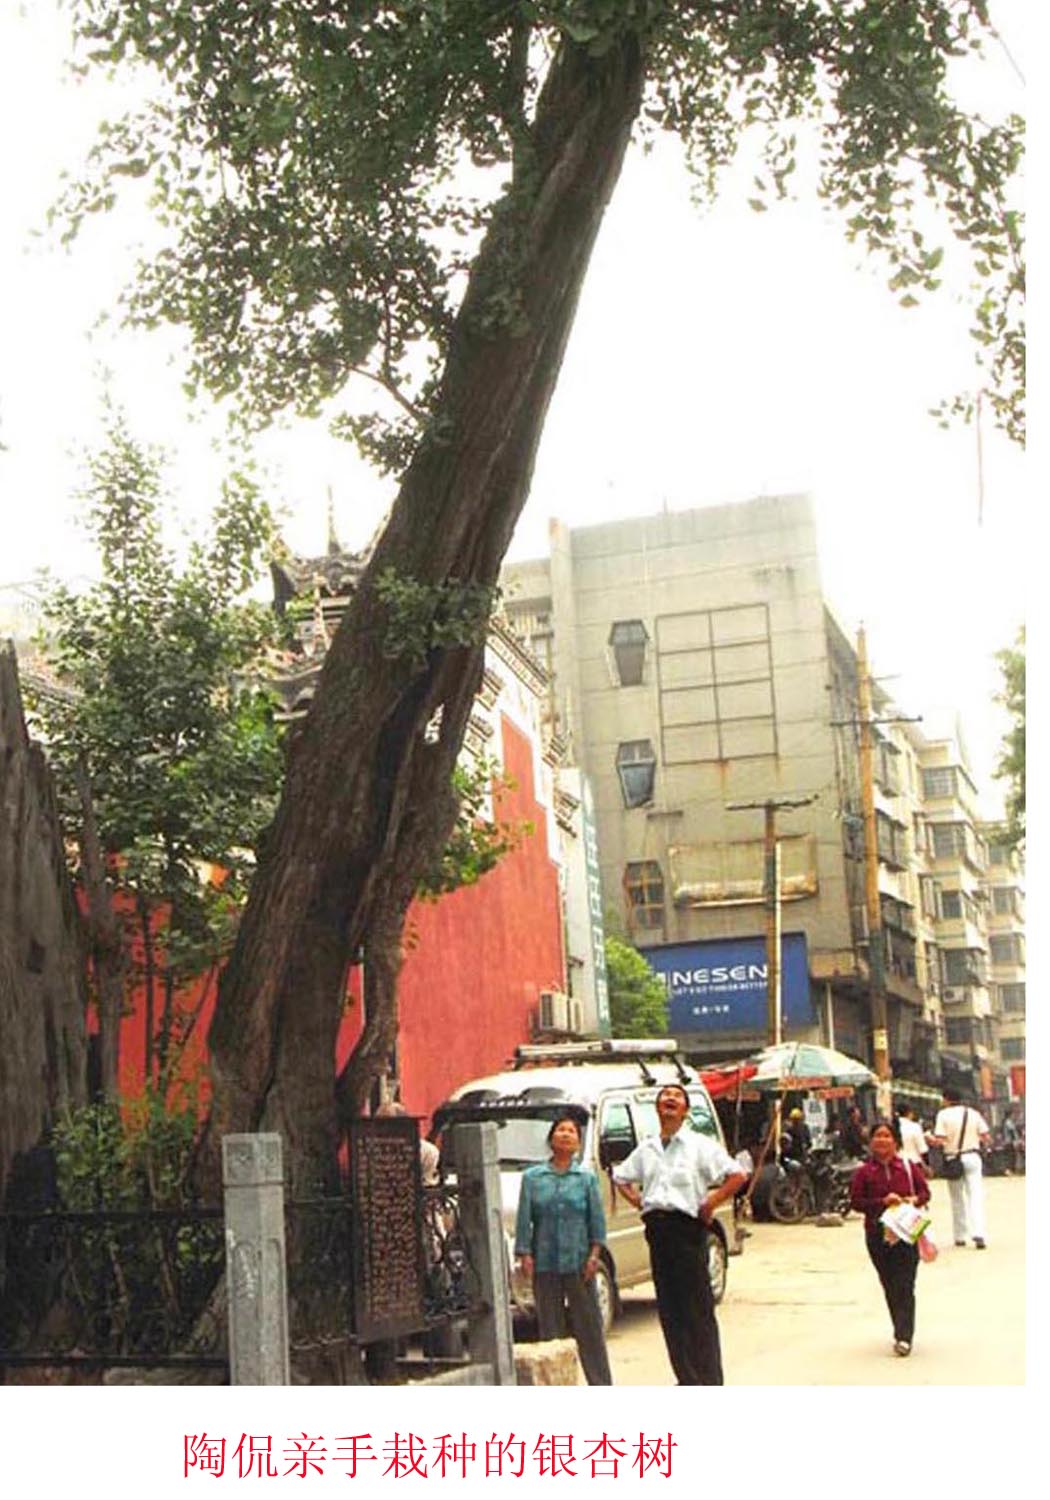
(678, 1255)
(896, 1266)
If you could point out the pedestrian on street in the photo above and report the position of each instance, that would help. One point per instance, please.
(913, 1138)
(558, 1241)
(799, 1138)
(961, 1132)
(881, 1182)
(853, 1137)
(678, 1178)
(1013, 1139)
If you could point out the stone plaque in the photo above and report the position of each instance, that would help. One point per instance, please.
(386, 1190)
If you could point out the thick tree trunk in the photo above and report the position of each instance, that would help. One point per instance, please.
(366, 804)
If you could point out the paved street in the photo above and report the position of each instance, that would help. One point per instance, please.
(804, 1307)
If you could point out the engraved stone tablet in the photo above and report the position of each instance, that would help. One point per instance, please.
(386, 1190)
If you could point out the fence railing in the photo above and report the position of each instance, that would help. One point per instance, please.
(109, 1288)
(129, 1289)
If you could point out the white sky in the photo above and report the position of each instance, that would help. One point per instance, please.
(716, 356)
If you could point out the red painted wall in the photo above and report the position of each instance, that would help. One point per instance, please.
(192, 1013)
(469, 989)
(470, 984)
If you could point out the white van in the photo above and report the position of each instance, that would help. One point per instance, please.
(611, 1087)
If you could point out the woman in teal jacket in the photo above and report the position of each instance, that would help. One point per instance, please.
(558, 1240)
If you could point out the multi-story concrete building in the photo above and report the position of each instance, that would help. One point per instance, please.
(1005, 908)
(695, 664)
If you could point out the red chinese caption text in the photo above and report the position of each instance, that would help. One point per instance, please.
(359, 1454)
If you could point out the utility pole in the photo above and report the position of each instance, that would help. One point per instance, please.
(771, 899)
(880, 1042)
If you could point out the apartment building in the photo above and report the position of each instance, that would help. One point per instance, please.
(694, 665)
(1005, 909)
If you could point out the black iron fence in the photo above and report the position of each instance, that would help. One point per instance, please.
(452, 1286)
(110, 1289)
(106, 1289)
(346, 1285)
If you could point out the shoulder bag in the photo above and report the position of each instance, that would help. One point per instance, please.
(953, 1167)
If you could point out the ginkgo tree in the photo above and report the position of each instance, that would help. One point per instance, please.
(404, 194)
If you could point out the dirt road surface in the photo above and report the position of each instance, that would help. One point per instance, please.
(804, 1307)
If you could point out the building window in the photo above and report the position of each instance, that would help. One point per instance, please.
(1013, 999)
(896, 914)
(962, 966)
(714, 678)
(957, 841)
(939, 781)
(636, 768)
(886, 771)
(958, 1031)
(1007, 948)
(1005, 902)
(1011, 1049)
(643, 885)
(628, 639)
(946, 840)
(951, 905)
(998, 854)
(892, 841)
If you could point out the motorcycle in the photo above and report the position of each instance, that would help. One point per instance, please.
(819, 1185)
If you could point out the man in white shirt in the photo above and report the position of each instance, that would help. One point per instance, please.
(913, 1137)
(961, 1131)
(678, 1178)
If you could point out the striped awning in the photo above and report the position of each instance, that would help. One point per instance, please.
(915, 1090)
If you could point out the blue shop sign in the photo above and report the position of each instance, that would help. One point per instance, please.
(721, 985)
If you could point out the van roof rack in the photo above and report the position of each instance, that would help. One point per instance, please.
(603, 1049)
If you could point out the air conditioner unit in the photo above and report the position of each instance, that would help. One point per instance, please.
(554, 1011)
(575, 1015)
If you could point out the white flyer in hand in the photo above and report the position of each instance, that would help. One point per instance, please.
(906, 1222)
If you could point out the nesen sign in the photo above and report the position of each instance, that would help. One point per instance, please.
(738, 974)
(721, 985)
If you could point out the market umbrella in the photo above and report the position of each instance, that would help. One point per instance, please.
(804, 1065)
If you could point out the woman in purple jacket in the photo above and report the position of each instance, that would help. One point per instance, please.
(882, 1181)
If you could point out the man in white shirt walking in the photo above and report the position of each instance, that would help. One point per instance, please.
(678, 1178)
(913, 1137)
(961, 1132)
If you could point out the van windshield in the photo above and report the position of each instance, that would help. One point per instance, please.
(521, 1139)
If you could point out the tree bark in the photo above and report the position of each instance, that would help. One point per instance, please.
(367, 804)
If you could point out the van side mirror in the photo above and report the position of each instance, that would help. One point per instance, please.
(613, 1149)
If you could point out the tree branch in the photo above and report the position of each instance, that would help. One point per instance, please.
(415, 412)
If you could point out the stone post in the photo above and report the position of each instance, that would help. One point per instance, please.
(476, 1156)
(256, 1283)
